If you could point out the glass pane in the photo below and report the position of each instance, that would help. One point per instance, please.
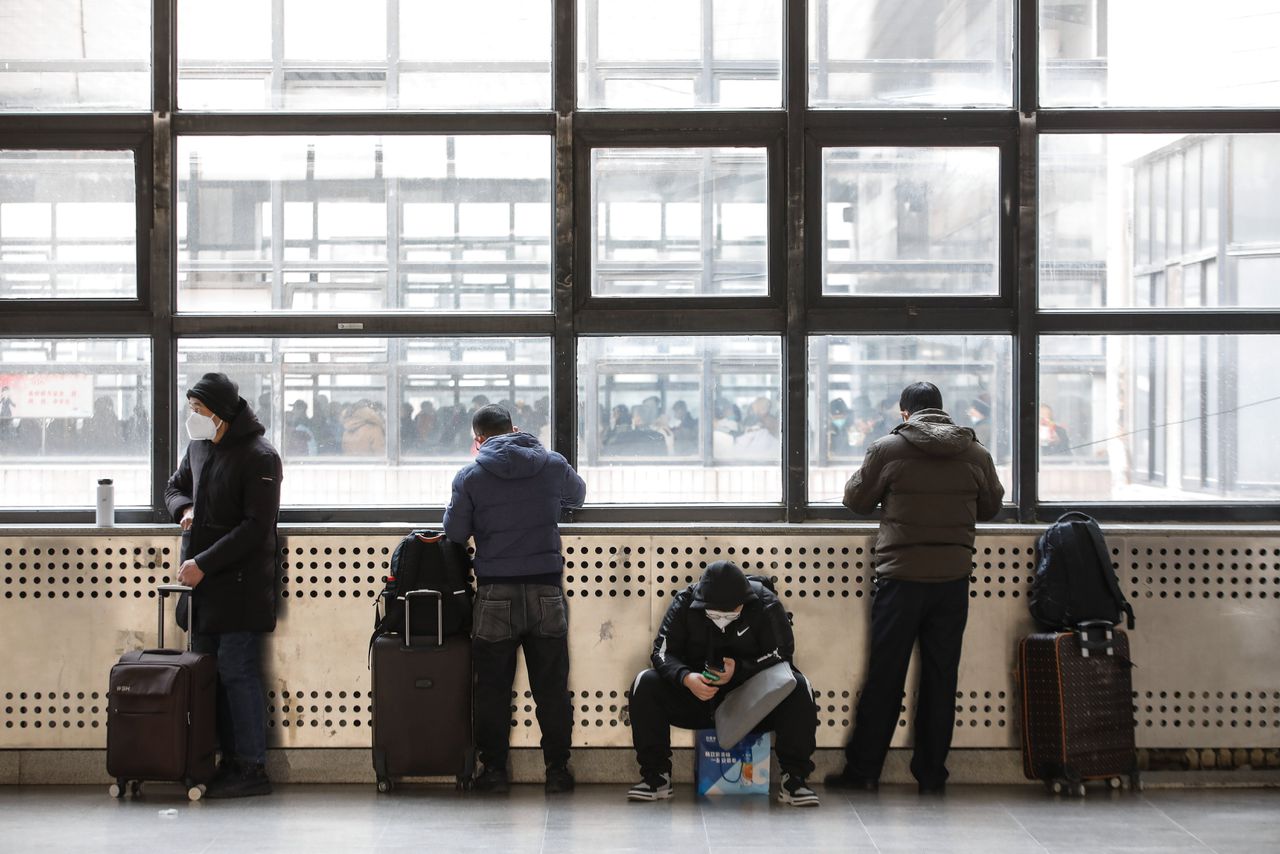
(68, 227)
(72, 55)
(373, 421)
(1154, 418)
(680, 420)
(855, 382)
(73, 411)
(1181, 53)
(680, 222)
(333, 55)
(1127, 220)
(910, 221)
(340, 223)
(884, 54)
(674, 54)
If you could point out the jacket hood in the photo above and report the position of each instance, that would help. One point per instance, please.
(245, 425)
(933, 431)
(512, 456)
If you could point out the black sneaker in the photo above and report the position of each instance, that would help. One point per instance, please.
(559, 780)
(492, 780)
(932, 789)
(248, 780)
(227, 767)
(850, 782)
(795, 791)
(654, 787)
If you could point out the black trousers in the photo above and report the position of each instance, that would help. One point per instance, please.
(903, 613)
(508, 617)
(657, 705)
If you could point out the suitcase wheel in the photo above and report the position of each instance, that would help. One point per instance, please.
(195, 793)
(385, 785)
(1055, 786)
(1078, 790)
(117, 789)
(1116, 783)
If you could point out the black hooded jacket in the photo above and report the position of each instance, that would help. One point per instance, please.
(234, 486)
(688, 641)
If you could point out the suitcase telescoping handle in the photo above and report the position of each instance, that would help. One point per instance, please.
(408, 635)
(164, 590)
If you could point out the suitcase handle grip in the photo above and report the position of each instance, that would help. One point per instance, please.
(1105, 644)
(164, 590)
(408, 635)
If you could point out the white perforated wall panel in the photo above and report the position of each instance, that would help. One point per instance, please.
(1208, 610)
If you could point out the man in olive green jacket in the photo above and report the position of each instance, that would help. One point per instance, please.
(934, 481)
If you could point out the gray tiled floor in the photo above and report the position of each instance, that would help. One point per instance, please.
(320, 819)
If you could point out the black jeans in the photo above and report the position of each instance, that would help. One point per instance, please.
(242, 706)
(507, 617)
(904, 612)
(657, 705)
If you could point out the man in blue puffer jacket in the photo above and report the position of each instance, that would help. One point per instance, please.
(510, 499)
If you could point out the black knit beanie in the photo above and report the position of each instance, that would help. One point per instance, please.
(723, 587)
(219, 393)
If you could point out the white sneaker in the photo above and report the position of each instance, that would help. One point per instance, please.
(653, 788)
(796, 792)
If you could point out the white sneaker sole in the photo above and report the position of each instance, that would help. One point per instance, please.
(797, 800)
(660, 795)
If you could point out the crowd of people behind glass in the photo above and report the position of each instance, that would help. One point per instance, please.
(646, 429)
(104, 432)
(359, 428)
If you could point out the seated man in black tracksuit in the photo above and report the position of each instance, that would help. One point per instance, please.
(724, 616)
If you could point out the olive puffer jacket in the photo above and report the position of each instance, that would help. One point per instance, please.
(935, 480)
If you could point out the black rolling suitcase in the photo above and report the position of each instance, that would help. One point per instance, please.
(422, 703)
(1077, 708)
(160, 715)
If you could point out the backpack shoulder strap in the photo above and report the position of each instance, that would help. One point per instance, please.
(1108, 572)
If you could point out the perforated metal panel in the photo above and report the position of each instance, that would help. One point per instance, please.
(1206, 644)
(70, 609)
(1208, 608)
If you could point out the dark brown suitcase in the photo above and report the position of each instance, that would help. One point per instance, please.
(422, 704)
(160, 715)
(1077, 708)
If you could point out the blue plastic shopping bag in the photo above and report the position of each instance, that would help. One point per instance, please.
(742, 770)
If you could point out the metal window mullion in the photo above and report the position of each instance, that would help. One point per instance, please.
(160, 194)
(392, 78)
(798, 266)
(706, 77)
(707, 203)
(572, 233)
(276, 95)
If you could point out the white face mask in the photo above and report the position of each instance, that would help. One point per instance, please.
(722, 619)
(200, 427)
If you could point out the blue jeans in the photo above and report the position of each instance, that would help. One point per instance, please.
(533, 617)
(242, 705)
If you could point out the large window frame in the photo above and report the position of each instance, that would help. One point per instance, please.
(794, 307)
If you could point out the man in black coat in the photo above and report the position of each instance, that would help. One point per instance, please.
(226, 496)
(716, 635)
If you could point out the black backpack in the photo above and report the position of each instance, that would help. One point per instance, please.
(427, 560)
(1075, 581)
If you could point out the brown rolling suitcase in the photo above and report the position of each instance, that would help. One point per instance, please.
(422, 704)
(160, 715)
(1077, 708)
